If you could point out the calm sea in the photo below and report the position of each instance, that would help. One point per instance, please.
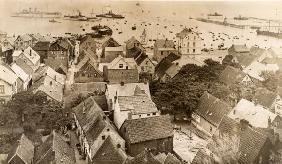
(151, 16)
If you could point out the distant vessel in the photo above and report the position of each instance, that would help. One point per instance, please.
(110, 14)
(36, 14)
(241, 18)
(215, 14)
(53, 21)
(78, 17)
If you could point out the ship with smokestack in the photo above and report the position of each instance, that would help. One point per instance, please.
(34, 13)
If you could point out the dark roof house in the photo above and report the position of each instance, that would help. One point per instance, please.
(22, 152)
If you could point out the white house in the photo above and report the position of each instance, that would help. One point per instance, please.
(26, 78)
(189, 42)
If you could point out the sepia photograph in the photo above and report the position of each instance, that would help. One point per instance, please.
(140, 82)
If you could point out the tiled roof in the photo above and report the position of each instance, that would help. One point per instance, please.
(145, 157)
(212, 109)
(128, 89)
(62, 152)
(231, 75)
(122, 75)
(256, 115)
(24, 149)
(31, 55)
(41, 46)
(20, 72)
(151, 128)
(140, 58)
(109, 153)
(50, 87)
(7, 75)
(138, 104)
(251, 139)
(264, 97)
(25, 37)
(202, 157)
(119, 48)
(46, 70)
(164, 43)
(87, 112)
(129, 61)
(23, 65)
(165, 64)
(167, 159)
(173, 70)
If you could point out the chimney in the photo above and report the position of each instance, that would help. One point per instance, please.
(244, 124)
(130, 115)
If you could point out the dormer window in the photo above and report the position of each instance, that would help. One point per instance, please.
(120, 66)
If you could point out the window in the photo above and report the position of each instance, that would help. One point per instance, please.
(162, 52)
(194, 37)
(118, 146)
(188, 44)
(103, 137)
(194, 44)
(108, 129)
(210, 129)
(194, 50)
(154, 113)
(2, 89)
(188, 50)
(120, 66)
(139, 116)
(126, 67)
(148, 114)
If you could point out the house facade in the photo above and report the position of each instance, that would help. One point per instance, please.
(9, 84)
(59, 54)
(22, 75)
(93, 128)
(23, 41)
(151, 132)
(189, 42)
(133, 48)
(29, 56)
(133, 107)
(209, 113)
(162, 48)
(111, 53)
(145, 64)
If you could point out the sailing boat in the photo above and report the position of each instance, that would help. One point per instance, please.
(143, 37)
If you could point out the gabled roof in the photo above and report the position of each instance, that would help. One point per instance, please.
(167, 159)
(23, 65)
(17, 53)
(119, 48)
(141, 57)
(173, 70)
(137, 104)
(164, 43)
(50, 87)
(24, 149)
(37, 37)
(145, 157)
(256, 115)
(55, 145)
(109, 153)
(165, 64)
(7, 75)
(146, 129)
(31, 55)
(212, 109)
(87, 112)
(255, 69)
(130, 61)
(185, 32)
(251, 141)
(231, 75)
(48, 71)
(238, 48)
(264, 97)
(128, 89)
(20, 72)
(25, 37)
(56, 65)
(203, 157)
(41, 46)
(122, 75)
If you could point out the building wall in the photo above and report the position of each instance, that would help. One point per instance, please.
(191, 44)
(203, 125)
(121, 64)
(9, 90)
(146, 67)
(160, 145)
(159, 55)
(21, 45)
(87, 74)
